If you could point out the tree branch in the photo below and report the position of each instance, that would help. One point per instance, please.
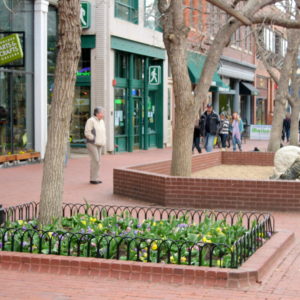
(272, 20)
(231, 11)
(163, 6)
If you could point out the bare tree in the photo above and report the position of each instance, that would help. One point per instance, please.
(69, 49)
(287, 69)
(175, 35)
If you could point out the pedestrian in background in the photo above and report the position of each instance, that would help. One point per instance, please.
(237, 130)
(286, 128)
(196, 137)
(223, 130)
(209, 123)
(95, 134)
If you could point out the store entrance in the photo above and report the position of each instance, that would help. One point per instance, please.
(81, 113)
(138, 123)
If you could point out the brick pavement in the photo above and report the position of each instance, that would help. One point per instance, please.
(22, 184)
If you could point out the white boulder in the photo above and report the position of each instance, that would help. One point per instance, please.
(284, 158)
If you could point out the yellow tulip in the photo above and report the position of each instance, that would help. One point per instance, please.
(183, 259)
(172, 259)
(154, 224)
(100, 226)
(93, 220)
(219, 262)
(154, 246)
(145, 254)
(20, 222)
(50, 234)
(83, 222)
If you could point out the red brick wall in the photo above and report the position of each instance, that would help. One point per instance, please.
(210, 193)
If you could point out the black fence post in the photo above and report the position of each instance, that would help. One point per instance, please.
(2, 215)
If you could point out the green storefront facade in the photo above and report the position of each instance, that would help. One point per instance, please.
(138, 101)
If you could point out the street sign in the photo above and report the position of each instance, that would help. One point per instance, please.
(85, 15)
(10, 49)
(154, 75)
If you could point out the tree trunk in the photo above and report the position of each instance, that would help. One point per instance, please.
(276, 132)
(294, 139)
(69, 45)
(283, 90)
(175, 37)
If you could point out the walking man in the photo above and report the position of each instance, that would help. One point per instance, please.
(209, 124)
(286, 128)
(95, 134)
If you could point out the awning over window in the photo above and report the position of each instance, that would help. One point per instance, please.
(195, 67)
(248, 89)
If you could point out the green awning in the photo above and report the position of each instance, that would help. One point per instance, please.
(195, 66)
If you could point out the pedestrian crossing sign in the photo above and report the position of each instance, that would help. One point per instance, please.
(85, 14)
(154, 75)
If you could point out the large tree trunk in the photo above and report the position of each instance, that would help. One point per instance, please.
(283, 90)
(294, 139)
(175, 36)
(61, 108)
(276, 132)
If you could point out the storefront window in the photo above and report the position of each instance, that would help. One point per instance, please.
(138, 68)
(121, 65)
(81, 113)
(16, 83)
(120, 111)
(127, 10)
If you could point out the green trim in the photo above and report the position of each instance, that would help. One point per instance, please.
(146, 95)
(132, 7)
(136, 48)
(88, 41)
(130, 107)
(195, 66)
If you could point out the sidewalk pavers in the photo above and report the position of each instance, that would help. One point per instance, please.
(22, 184)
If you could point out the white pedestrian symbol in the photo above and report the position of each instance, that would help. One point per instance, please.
(153, 76)
(82, 15)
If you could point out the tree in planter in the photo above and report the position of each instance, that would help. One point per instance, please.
(175, 35)
(286, 73)
(69, 49)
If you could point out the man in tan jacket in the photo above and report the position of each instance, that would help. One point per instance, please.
(95, 134)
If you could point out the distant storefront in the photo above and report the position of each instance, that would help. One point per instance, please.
(16, 80)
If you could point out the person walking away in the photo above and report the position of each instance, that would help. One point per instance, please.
(224, 130)
(95, 134)
(209, 123)
(196, 138)
(237, 130)
(286, 128)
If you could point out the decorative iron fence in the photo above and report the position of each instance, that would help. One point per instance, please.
(260, 227)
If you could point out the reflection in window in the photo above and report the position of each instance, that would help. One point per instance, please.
(121, 65)
(120, 111)
(152, 15)
(127, 10)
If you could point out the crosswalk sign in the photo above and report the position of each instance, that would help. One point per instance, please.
(154, 75)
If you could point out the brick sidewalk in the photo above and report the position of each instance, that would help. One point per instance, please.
(22, 184)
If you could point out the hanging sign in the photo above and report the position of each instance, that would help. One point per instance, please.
(154, 75)
(10, 49)
(85, 15)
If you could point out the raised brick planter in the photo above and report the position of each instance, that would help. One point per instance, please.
(249, 273)
(152, 183)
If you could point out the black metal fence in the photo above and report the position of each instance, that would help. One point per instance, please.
(137, 248)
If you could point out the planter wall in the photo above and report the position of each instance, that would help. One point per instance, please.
(142, 182)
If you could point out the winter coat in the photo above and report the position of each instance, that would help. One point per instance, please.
(213, 124)
(95, 131)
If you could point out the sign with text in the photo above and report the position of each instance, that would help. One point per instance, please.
(154, 75)
(260, 132)
(10, 49)
(85, 15)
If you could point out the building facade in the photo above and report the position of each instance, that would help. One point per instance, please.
(124, 69)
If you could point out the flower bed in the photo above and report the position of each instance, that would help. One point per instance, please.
(162, 235)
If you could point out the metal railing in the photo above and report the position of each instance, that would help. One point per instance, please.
(260, 227)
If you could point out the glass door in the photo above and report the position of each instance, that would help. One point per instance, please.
(137, 123)
(81, 113)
